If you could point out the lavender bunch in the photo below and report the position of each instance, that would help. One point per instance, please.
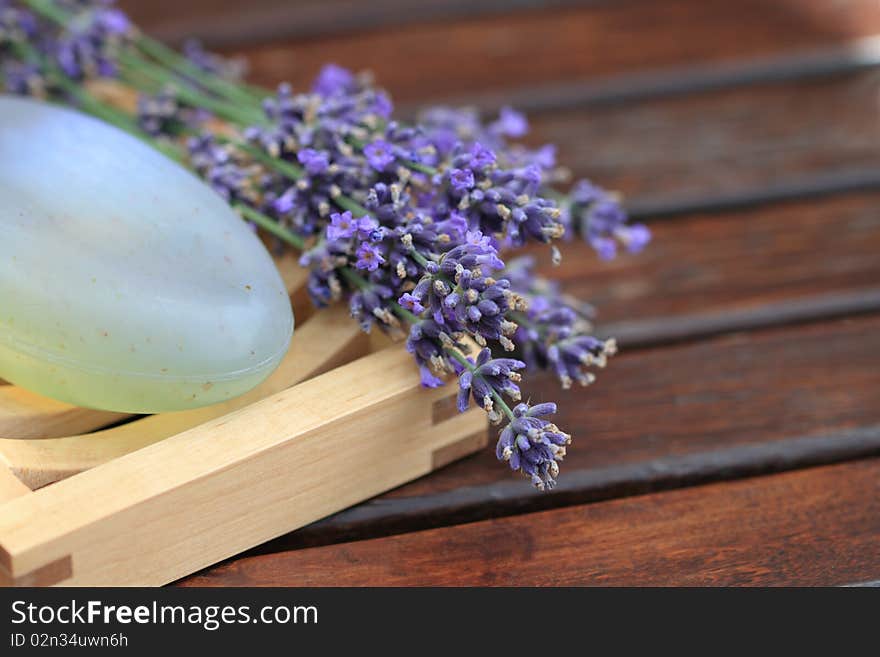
(409, 223)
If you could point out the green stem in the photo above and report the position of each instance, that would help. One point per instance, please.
(351, 205)
(424, 168)
(48, 10)
(419, 258)
(285, 168)
(270, 225)
(168, 57)
(132, 64)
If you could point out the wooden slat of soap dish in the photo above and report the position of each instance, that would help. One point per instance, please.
(185, 502)
(25, 414)
(10, 486)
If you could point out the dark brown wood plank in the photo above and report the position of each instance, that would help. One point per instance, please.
(480, 55)
(734, 262)
(225, 22)
(812, 527)
(729, 141)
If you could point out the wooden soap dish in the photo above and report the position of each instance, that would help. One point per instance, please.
(146, 502)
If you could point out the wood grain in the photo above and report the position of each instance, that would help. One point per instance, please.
(720, 143)
(813, 527)
(25, 414)
(734, 261)
(223, 21)
(479, 55)
(10, 486)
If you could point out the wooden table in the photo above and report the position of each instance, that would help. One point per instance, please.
(736, 439)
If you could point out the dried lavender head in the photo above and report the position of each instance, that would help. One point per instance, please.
(228, 69)
(89, 44)
(600, 218)
(555, 331)
(163, 115)
(488, 379)
(533, 445)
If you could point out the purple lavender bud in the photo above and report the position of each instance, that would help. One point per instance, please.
(315, 162)
(428, 379)
(532, 445)
(342, 226)
(23, 79)
(382, 105)
(333, 80)
(379, 154)
(113, 22)
(368, 229)
(461, 180)
(411, 303)
(369, 257)
(545, 157)
(605, 247)
(481, 157)
(635, 237)
(286, 202)
(490, 377)
(510, 123)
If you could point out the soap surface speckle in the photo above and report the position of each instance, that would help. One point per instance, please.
(126, 283)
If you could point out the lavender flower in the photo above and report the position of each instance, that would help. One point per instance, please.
(16, 23)
(555, 331)
(602, 221)
(88, 47)
(24, 79)
(369, 257)
(228, 69)
(315, 162)
(219, 166)
(333, 79)
(162, 115)
(510, 123)
(462, 180)
(490, 377)
(533, 445)
(379, 154)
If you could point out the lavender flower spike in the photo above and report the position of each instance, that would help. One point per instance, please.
(532, 445)
(490, 376)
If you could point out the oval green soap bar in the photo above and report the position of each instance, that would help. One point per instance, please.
(126, 283)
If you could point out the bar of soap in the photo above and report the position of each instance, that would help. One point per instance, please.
(126, 283)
